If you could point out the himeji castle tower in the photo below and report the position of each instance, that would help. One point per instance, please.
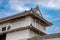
(23, 26)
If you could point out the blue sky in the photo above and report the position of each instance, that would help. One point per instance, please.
(50, 10)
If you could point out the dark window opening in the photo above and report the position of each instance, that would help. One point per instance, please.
(4, 29)
(3, 37)
(8, 27)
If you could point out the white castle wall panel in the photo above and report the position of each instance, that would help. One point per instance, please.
(21, 23)
(19, 35)
(38, 26)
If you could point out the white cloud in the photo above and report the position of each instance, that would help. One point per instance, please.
(18, 5)
(55, 4)
(47, 17)
(0, 2)
(56, 19)
(4, 14)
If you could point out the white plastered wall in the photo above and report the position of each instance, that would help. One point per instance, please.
(32, 34)
(19, 35)
(22, 23)
(38, 26)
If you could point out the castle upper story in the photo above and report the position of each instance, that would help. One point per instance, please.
(32, 17)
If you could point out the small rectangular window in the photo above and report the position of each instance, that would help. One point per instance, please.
(4, 29)
(8, 27)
